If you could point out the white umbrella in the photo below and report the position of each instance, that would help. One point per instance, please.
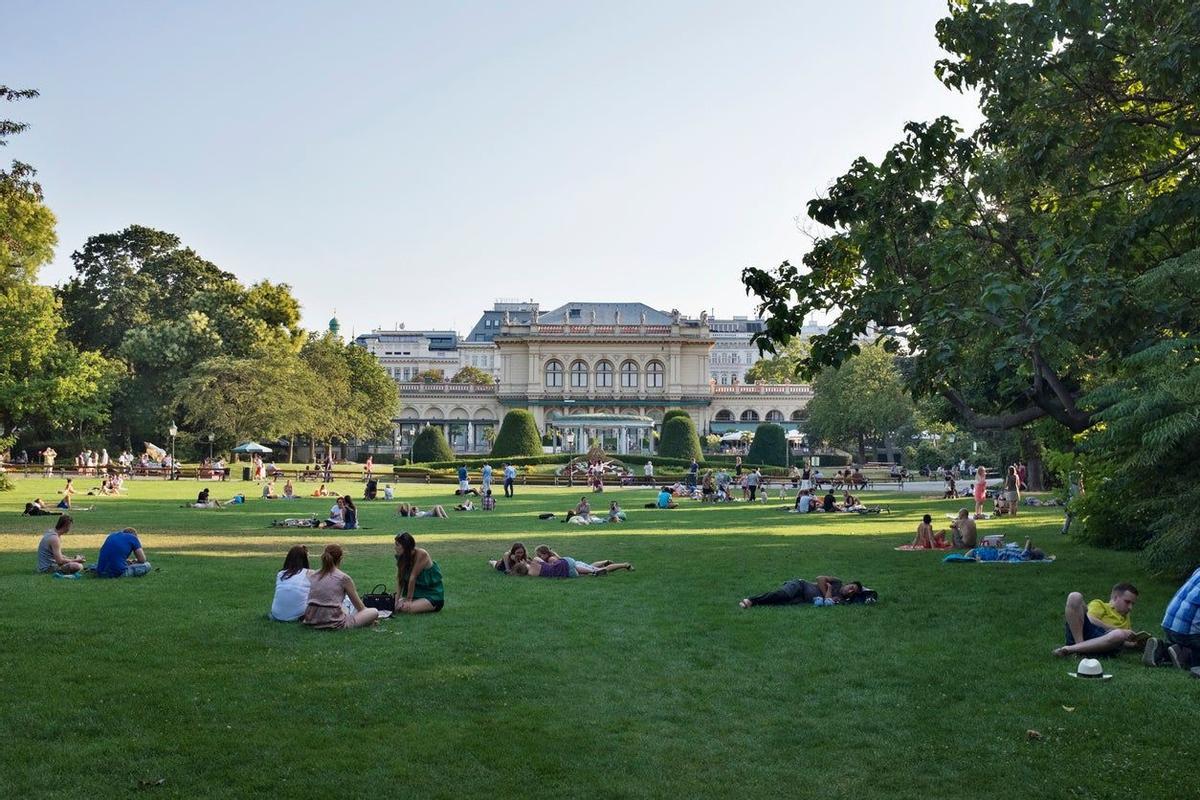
(732, 436)
(795, 434)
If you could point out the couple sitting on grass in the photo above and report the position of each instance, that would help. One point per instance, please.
(121, 555)
(824, 591)
(1105, 628)
(963, 532)
(327, 598)
(549, 564)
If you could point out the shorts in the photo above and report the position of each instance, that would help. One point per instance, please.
(463, 486)
(572, 572)
(1090, 631)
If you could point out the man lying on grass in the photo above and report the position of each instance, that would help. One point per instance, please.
(824, 591)
(1100, 628)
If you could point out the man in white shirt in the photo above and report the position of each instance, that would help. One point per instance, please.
(648, 471)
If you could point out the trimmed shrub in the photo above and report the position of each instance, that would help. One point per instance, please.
(770, 445)
(518, 436)
(675, 412)
(431, 445)
(679, 439)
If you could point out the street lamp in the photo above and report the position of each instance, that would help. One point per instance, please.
(211, 437)
(173, 431)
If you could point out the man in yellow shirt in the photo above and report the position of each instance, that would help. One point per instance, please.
(1100, 628)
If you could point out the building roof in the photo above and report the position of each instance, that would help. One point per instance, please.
(581, 313)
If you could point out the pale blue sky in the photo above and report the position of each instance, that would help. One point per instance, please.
(412, 162)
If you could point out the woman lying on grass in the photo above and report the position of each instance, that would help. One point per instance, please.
(515, 555)
(405, 510)
(328, 586)
(548, 556)
(824, 591)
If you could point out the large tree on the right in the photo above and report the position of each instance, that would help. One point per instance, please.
(1005, 260)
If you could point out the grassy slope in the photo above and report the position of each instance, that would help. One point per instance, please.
(642, 684)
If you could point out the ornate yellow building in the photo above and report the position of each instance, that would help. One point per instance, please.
(597, 358)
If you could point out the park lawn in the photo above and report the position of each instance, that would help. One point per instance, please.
(645, 684)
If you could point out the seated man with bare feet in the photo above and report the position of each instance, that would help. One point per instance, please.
(1099, 628)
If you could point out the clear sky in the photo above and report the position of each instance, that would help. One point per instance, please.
(413, 162)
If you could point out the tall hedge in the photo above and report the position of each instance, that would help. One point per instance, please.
(431, 445)
(770, 445)
(675, 412)
(679, 439)
(518, 436)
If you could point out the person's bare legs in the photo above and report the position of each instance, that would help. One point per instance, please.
(599, 563)
(1075, 614)
(360, 619)
(70, 568)
(613, 567)
(417, 605)
(438, 511)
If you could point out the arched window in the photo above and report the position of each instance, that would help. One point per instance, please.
(554, 374)
(604, 375)
(629, 375)
(797, 416)
(749, 415)
(724, 415)
(579, 375)
(654, 375)
(774, 416)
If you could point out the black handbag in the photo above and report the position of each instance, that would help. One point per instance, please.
(378, 598)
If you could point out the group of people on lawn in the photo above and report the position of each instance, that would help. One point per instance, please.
(327, 598)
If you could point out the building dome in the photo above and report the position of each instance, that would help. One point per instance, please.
(334, 325)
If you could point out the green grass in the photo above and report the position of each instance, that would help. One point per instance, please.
(643, 684)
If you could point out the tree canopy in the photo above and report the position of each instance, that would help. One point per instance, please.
(999, 259)
(862, 400)
(783, 367)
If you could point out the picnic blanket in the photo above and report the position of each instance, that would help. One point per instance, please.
(908, 548)
(963, 558)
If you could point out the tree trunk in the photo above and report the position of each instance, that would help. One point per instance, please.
(1031, 454)
(291, 448)
(862, 450)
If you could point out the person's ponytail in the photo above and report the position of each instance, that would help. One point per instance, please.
(331, 557)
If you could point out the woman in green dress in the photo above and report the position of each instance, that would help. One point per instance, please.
(418, 578)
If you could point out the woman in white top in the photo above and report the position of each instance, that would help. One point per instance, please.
(291, 586)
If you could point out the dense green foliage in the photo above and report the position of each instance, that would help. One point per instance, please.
(1000, 257)
(862, 400)
(1007, 261)
(1142, 477)
(518, 435)
(769, 446)
(782, 367)
(430, 445)
(46, 381)
(679, 439)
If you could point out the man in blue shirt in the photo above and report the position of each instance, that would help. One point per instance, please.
(1181, 624)
(464, 487)
(114, 560)
(487, 479)
(510, 476)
